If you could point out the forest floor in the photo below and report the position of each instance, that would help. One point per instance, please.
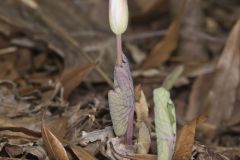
(56, 68)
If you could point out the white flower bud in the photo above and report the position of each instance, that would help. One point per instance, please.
(118, 16)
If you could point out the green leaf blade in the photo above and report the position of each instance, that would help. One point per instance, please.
(165, 121)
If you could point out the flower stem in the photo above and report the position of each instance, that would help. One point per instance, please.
(119, 49)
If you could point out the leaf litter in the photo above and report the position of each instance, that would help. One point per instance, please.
(52, 143)
(40, 67)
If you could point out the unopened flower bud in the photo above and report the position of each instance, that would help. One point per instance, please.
(118, 15)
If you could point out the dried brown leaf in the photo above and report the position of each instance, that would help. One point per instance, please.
(162, 51)
(201, 152)
(21, 121)
(185, 140)
(141, 106)
(81, 153)
(94, 148)
(7, 71)
(198, 94)
(23, 150)
(53, 145)
(36, 151)
(17, 136)
(227, 79)
(220, 98)
(13, 150)
(22, 130)
(72, 77)
(58, 127)
(144, 139)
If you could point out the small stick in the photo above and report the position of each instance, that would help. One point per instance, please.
(8, 50)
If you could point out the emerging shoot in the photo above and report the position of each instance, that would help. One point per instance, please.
(121, 98)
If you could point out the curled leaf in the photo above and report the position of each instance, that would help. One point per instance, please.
(185, 140)
(72, 77)
(165, 121)
(141, 105)
(121, 100)
(53, 145)
(81, 153)
(218, 92)
(163, 50)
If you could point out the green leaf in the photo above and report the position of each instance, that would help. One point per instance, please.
(165, 121)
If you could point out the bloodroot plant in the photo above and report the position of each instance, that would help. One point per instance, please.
(121, 98)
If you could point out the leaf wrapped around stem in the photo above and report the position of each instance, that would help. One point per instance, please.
(121, 101)
(165, 121)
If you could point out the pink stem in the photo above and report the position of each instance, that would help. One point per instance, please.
(119, 49)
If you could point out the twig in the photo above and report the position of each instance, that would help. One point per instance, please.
(8, 50)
